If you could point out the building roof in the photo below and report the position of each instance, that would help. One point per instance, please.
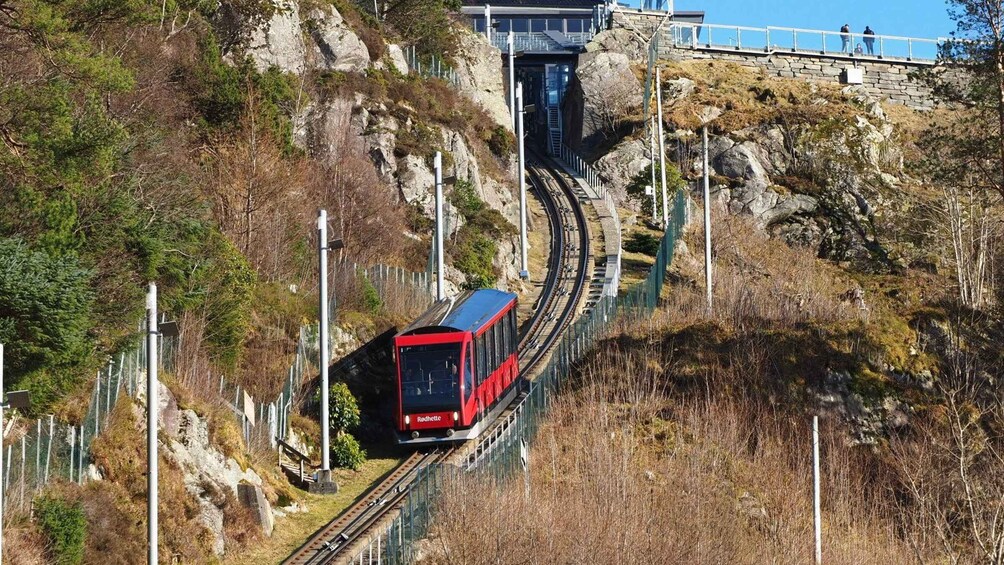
(468, 312)
(587, 4)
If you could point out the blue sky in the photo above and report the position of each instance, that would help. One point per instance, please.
(909, 18)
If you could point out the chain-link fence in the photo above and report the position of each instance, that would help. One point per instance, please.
(430, 66)
(45, 449)
(499, 455)
(48, 450)
(397, 289)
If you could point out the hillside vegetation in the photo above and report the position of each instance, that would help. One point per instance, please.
(155, 141)
(856, 261)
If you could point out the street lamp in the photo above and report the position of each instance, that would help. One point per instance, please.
(15, 399)
(524, 272)
(153, 331)
(323, 246)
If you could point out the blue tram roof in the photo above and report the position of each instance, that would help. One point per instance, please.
(468, 312)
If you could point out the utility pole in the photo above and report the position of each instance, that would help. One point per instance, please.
(524, 272)
(707, 220)
(15, 399)
(512, 79)
(438, 164)
(1, 455)
(662, 149)
(322, 273)
(488, 22)
(152, 406)
(817, 516)
(651, 151)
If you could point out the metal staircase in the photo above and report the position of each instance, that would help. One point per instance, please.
(554, 129)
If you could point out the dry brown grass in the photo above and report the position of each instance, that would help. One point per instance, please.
(23, 544)
(757, 281)
(624, 473)
(750, 98)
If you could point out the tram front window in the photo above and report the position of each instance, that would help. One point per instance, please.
(430, 377)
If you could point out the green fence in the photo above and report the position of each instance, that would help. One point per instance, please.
(498, 455)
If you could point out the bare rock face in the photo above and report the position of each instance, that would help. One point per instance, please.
(335, 47)
(622, 41)
(603, 92)
(279, 42)
(397, 60)
(207, 472)
(622, 164)
(331, 45)
(480, 76)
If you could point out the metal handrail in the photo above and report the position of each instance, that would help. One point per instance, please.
(764, 44)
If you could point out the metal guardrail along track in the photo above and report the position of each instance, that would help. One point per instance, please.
(563, 289)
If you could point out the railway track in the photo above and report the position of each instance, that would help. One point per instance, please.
(330, 541)
(563, 291)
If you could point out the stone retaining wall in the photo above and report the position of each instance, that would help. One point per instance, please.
(883, 79)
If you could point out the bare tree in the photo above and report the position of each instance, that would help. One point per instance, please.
(974, 228)
(251, 179)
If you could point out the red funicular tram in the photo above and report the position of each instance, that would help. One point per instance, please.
(457, 367)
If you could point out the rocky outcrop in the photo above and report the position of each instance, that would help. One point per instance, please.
(480, 77)
(335, 47)
(620, 40)
(279, 41)
(330, 126)
(205, 470)
(397, 59)
(330, 45)
(621, 165)
(603, 93)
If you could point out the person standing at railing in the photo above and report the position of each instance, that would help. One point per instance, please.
(870, 40)
(845, 38)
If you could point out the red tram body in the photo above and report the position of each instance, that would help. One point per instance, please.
(457, 367)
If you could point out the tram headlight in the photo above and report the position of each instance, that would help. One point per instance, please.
(407, 420)
(456, 416)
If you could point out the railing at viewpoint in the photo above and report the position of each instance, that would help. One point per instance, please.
(801, 41)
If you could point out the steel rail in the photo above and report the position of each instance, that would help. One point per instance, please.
(329, 543)
(339, 533)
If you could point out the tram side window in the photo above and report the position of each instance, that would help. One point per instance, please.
(498, 341)
(493, 347)
(482, 361)
(469, 374)
(512, 331)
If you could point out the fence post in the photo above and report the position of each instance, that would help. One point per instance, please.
(48, 450)
(73, 445)
(38, 452)
(80, 458)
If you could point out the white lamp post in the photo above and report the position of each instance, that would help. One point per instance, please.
(524, 272)
(440, 264)
(16, 399)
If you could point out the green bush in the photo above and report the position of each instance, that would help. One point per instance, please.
(465, 198)
(342, 408)
(502, 142)
(45, 317)
(371, 297)
(636, 189)
(474, 254)
(65, 525)
(645, 243)
(346, 453)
